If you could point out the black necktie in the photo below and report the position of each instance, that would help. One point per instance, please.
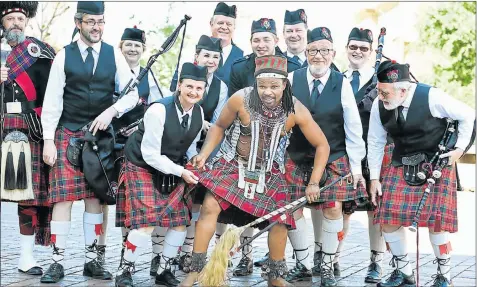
(221, 62)
(400, 117)
(355, 82)
(185, 122)
(89, 63)
(315, 93)
(297, 59)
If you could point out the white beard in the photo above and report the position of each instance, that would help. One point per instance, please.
(317, 71)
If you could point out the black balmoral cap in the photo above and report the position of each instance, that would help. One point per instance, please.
(392, 72)
(134, 34)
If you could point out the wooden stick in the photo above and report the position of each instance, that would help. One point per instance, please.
(291, 208)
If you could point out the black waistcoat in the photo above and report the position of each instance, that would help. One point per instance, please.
(211, 100)
(327, 112)
(86, 98)
(174, 141)
(420, 134)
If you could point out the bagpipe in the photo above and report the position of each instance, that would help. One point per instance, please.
(97, 155)
(163, 49)
(371, 93)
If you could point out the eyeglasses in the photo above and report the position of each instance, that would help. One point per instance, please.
(323, 52)
(91, 23)
(362, 49)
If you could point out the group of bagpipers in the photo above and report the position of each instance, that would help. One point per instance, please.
(239, 137)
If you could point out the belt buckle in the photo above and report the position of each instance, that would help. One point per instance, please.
(14, 107)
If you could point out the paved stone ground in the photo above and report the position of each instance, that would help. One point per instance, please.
(354, 260)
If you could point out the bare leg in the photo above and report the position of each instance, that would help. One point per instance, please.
(277, 240)
(204, 230)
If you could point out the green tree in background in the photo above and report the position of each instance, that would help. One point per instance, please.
(450, 30)
(166, 64)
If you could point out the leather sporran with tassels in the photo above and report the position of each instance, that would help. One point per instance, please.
(16, 172)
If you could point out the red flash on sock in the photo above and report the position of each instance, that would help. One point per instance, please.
(445, 248)
(53, 238)
(130, 246)
(341, 235)
(98, 229)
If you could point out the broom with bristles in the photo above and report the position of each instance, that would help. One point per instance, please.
(215, 271)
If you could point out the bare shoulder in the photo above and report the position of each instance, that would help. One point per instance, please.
(300, 109)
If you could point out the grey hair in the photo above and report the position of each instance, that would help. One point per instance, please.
(79, 16)
(398, 86)
(212, 20)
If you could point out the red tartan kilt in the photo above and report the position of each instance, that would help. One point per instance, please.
(67, 182)
(144, 203)
(222, 182)
(400, 201)
(39, 168)
(342, 191)
(349, 208)
(387, 158)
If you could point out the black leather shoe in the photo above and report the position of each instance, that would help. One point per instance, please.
(244, 268)
(262, 261)
(101, 249)
(374, 274)
(36, 271)
(328, 278)
(317, 263)
(441, 281)
(95, 270)
(399, 279)
(54, 274)
(166, 278)
(298, 274)
(185, 262)
(336, 269)
(124, 280)
(154, 265)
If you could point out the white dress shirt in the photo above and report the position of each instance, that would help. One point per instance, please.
(301, 56)
(355, 146)
(53, 101)
(226, 52)
(154, 94)
(441, 106)
(222, 97)
(154, 120)
(365, 74)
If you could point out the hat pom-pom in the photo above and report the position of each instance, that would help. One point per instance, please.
(361, 29)
(135, 27)
(393, 61)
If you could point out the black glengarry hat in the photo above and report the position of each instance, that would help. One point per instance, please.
(90, 7)
(361, 34)
(295, 17)
(319, 33)
(264, 25)
(193, 72)
(226, 10)
(209, 44)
